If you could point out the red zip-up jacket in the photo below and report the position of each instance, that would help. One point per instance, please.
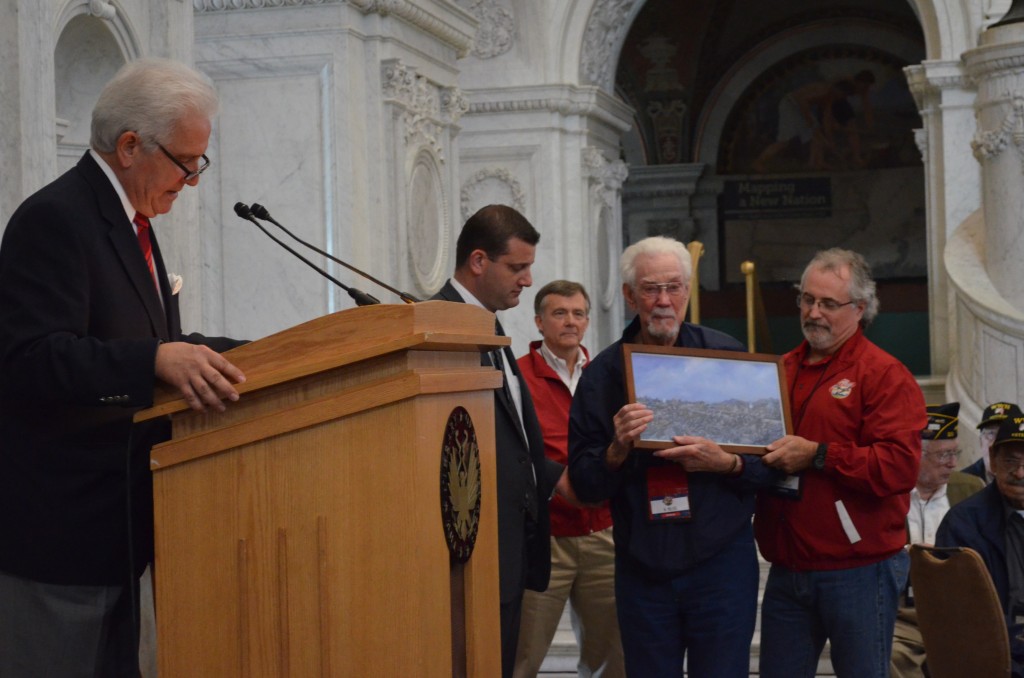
(870, 411)
(552, 399)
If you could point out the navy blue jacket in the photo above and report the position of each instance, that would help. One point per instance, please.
(721, 506)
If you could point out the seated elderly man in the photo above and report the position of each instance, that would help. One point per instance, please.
(938, 488)
(994, 414)
(992, 523)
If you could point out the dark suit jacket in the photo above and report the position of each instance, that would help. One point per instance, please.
(80, 321)
(524, 545)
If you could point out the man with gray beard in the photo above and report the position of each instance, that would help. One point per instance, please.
(835, 541)
(686, 570)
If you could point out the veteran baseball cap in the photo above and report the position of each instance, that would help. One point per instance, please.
(996, 413)
(942, 422)
(1011, 430)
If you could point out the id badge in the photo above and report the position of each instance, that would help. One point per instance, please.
(668, 494)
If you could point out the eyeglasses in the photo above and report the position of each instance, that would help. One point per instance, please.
(943, 457)
(807, 302)
(189, 174)
(1010, 464)
(654, 290)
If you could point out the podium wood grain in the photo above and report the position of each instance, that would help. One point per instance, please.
(299, 533)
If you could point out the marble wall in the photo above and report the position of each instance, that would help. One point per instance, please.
(373, 128)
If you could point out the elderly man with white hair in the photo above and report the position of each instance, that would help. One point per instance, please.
(685, 581)
(89, 324)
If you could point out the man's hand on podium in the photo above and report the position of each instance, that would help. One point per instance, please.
(199, 373)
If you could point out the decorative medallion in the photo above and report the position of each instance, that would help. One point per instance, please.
(460, 485)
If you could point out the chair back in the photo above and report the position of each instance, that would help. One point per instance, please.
(959, 612)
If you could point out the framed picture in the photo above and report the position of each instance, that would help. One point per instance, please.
(739, 400)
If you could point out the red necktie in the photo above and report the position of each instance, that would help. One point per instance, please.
(142, 223)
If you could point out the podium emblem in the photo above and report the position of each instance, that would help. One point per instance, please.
(460, 485)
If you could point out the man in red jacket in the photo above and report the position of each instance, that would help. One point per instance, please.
(582, 551)
(836, 543)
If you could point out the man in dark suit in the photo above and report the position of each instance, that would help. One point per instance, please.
(89, 324)
(493, 257)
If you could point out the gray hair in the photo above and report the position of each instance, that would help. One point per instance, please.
(862, 286)
(562, 288)
(653, 246)
(150, 97)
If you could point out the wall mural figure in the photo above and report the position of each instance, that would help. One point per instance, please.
(824, 110)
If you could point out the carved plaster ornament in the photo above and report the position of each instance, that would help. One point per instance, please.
(606, 29)
(496, 30)
(988, 145)
(419, 98)
(921, 139)
(221, 5)
(102, 10)
(606, 178)
(498, 175)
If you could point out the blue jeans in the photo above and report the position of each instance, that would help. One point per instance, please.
(707, 612)
(854, 609)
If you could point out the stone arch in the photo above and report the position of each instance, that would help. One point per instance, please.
(949, 27)
(601, 40)
(92, 40)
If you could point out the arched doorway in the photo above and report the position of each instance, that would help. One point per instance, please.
(769, 132)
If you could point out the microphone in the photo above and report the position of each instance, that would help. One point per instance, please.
(261, 212)
(361, 298)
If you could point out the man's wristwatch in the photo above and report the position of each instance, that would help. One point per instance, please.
(819, 456)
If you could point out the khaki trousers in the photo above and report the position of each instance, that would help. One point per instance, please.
(582, 572)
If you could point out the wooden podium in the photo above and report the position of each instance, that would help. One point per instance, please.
(299, 533)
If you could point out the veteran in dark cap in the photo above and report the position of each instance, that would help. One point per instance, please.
(992, 524)
(994, 414)
(939, 487)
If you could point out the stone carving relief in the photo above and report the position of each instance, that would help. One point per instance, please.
(605, 181)
(989, 144)
(421, 103)
(102, 10)
(222, 5)
(453, 105)
(427, 216)
(497, 27)
(606, 29)
(921, 139)
(491, 186)
(606, 178)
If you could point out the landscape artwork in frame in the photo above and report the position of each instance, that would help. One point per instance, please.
(738, 400)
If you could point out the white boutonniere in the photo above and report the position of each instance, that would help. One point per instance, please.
(175, 282)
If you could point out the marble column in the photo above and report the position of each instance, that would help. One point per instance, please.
(983, 256)
(945, 98)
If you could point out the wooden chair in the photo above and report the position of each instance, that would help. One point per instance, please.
(959, 613)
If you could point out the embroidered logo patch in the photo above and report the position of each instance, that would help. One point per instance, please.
(842, 389)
